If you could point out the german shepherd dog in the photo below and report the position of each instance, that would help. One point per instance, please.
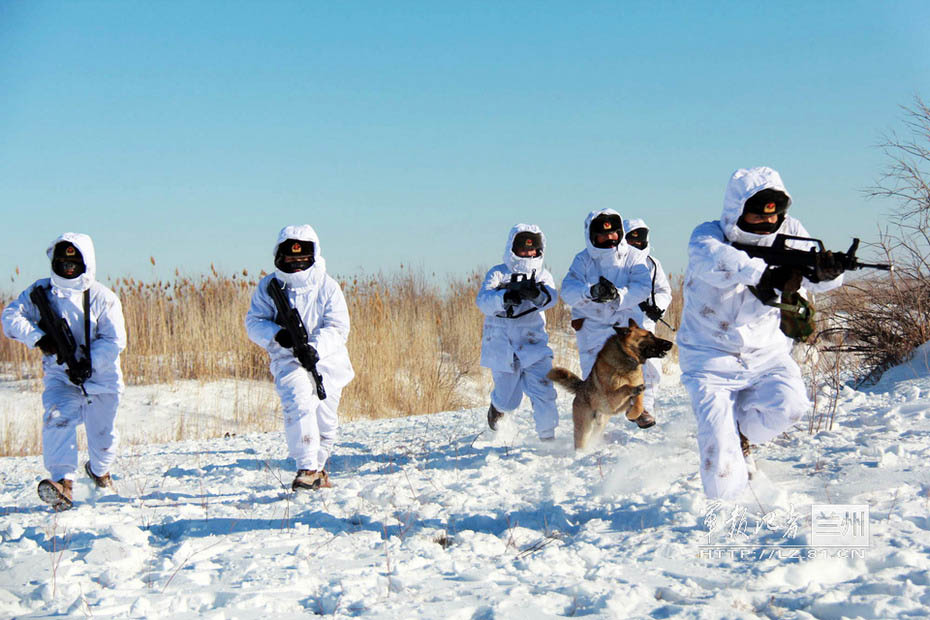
(616, 381)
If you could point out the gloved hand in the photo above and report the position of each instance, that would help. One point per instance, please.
(47, 344)
(80, 373)
(775, 277)
(604, 291)
(512, 298)
(312, 356)
(283, 338)
(828, 266)
(530, 291)
(653, 312)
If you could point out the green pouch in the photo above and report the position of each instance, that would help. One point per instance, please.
(797, 317)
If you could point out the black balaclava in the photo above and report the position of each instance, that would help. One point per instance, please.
(67, 261)
(764, 202)
(527, 240)
(294, 255)
(638, 238)
(604, 224)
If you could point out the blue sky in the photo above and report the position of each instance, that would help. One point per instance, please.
(419, 133)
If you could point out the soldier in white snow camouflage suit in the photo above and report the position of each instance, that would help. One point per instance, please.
(637, 235)
(310, 424)
(72, 287)
(605, 285)
(734, 358)
(515, 344)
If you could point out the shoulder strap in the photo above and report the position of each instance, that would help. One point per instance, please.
(655, 271)
(87, 323)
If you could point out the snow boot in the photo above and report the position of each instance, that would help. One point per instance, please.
(56, 494)
(744, 445)
(103, 481)
(494, 416)
(311, 479)
(747, 454)
(645, 420)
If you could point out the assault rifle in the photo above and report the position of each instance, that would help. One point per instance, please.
(805, 261)
(521, 287)
(57, 328)
(289, 319)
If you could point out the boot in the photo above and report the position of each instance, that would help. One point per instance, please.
(56, 494)
(744, 445)
(311, 479)
(494, 416)
(102, 482)
(645, 420)
(747, 454)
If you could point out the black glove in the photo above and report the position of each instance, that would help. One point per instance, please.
(828, 266)
(511, 298)
(775, 277)
(80, 373)
(604, 291)
(47, 344)
(530, 290)
(283, 338)
(652, 311)
(312, 355)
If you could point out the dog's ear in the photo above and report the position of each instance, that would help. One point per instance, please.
(632, 323)
(621, 331)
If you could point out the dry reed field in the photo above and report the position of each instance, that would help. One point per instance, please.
(415, 346)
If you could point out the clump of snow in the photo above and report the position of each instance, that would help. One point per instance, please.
(918, 366)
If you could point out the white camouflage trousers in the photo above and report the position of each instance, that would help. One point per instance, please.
(310, 425)
(509, 388)
(65, 408)
(762, 402)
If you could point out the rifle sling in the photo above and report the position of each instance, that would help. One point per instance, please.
(87, 326)
(655, 272)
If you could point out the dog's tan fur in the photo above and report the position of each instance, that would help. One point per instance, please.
(615, 383)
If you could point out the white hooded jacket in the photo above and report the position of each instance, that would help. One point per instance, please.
(318, 299)
(623, 265)
(107, 327)
(523, 334)
(721, 314)
(660, 289)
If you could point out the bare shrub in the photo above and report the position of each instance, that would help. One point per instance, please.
(882, 319)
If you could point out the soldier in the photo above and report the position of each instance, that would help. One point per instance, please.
(605, 285)
(735, 359)
(654, 307)
(81, 338)
(515, 344)
(309, 376)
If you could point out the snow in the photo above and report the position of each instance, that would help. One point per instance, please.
(437, 517)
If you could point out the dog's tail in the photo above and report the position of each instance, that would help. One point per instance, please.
(565, 378)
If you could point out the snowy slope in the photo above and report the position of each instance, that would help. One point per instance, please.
(437, 517)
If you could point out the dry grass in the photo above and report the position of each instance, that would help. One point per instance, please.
(412, 345)
(415, 346)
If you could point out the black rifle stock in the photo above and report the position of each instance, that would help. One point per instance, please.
(289, 319)
(805, 261)
(57, 328)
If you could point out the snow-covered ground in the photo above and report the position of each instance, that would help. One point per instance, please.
(437, 517)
